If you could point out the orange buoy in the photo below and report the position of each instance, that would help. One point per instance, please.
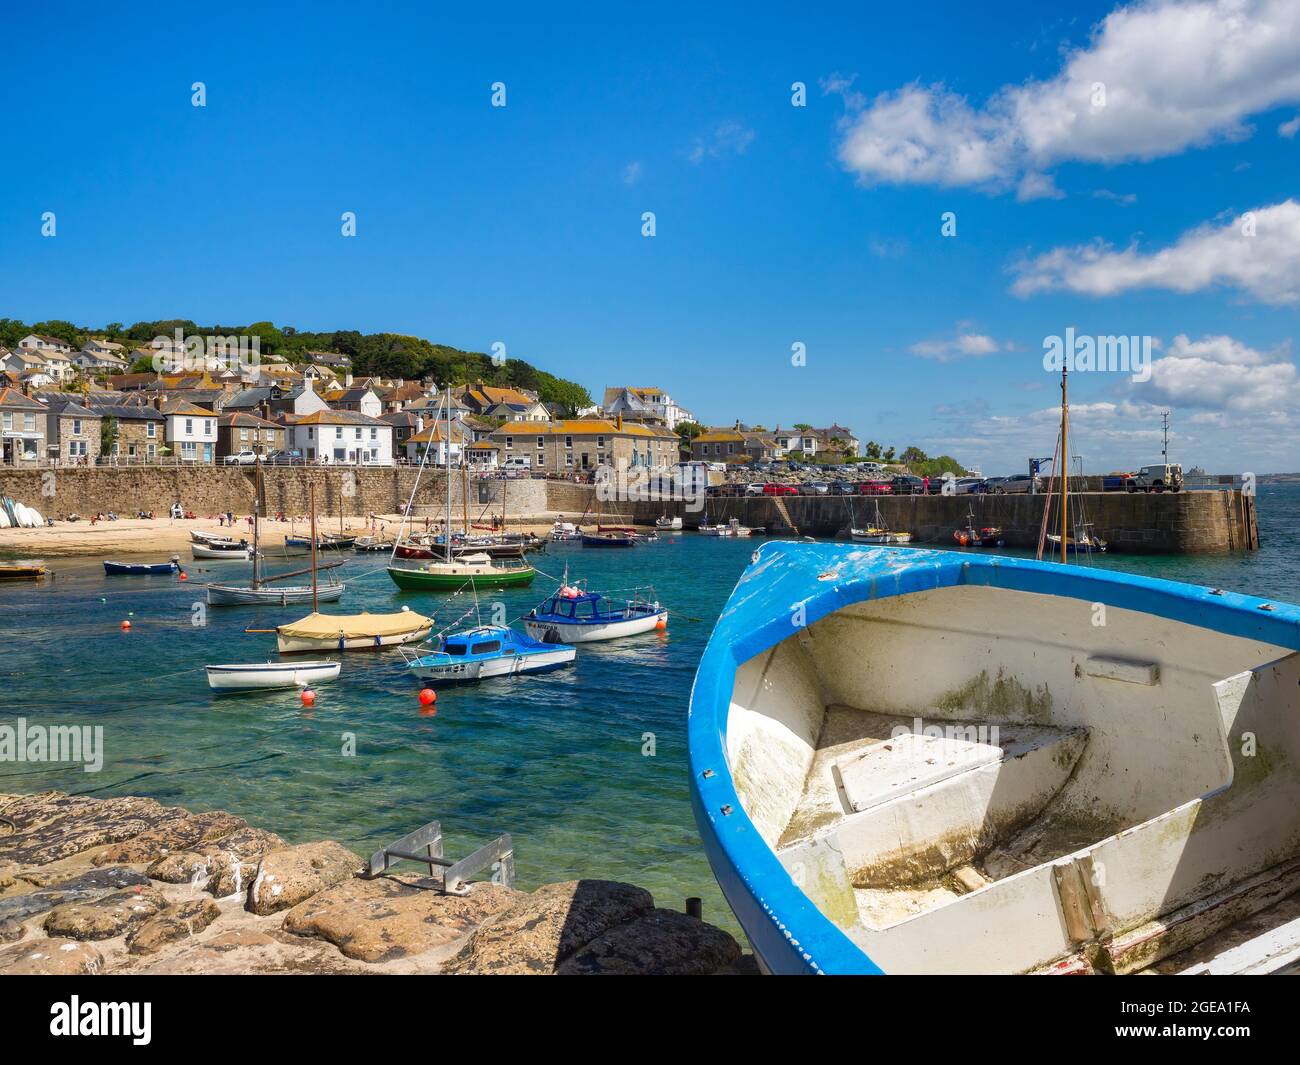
(661, 625)
(183, 577)
(428, 696)
(308, 697)
(126, 626)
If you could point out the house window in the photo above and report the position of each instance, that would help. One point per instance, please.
(541, 441)
(189, 426)
(568, 441)
(130, 451)
(243, 434)
(510, 442)
(374, 433)
(76, 426)
(9, 421)
(358, 432)
(29, 422)
(338, 432)
(310, 432)
(600, 441)
(151, 429)
(149, 450)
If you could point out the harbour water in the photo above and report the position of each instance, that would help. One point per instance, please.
(586, 766)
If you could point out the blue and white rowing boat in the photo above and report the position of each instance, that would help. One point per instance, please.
(141, 569)
(489, 651)
(583, 617)
(933, 762)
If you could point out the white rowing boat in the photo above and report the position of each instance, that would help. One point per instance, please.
(257, 676)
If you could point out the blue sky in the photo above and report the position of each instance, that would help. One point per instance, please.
(775, 224)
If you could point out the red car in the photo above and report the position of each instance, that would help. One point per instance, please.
(875, 488)
(774, 489)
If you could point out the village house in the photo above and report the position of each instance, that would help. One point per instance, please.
(242, 431)
(405, 424)
(514, 404)
(136, 432)
(338, 437)
(72, 431)
(191, 431)
(22, 360)
(22, 429)
(652, 405)
(91, 362)
(430, 445)
(761, 446)
(483, 455)
(46, 344)
(401, 396)
(719, 445)
(332, 359)
(581, 444)
(360, 398)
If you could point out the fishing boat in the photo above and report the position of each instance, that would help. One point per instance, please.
(575, 616)
(324, 542)
(972, 536)
(22, 571)
(436, 548)
(732, 528)
(489, 651)
(608, 539)
(879, 532)
(258, 676)
(373, 543)
(478, 571)
(565, 530)
(672, 523)
(1042, 795)
(141, 569)
(1084, 540)
(197, 537)
(237, 549)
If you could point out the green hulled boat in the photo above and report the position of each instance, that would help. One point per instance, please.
(477, 570)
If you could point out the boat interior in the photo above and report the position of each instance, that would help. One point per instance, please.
(978, 780)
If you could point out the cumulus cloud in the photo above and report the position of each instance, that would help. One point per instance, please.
(1219, 373)
(1155, 78)
(727, 138)
(964, 343)
(1124, 199)
(1289, 128)
(1257, 253)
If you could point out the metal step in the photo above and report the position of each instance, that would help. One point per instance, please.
(424, 845)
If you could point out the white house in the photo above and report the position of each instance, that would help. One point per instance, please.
(645, 404)
(93, 362)
(191, 432)
(43, 344)
(22, 360)
(59, 365)
(341, 437)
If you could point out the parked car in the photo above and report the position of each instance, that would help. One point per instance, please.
(905, 484)
(991, 485)
(1161, 477)
(755, 488)
(1018, 484)
(842, 488)
(774, 489)
(292, 457)
(875, 488)
(814, 488)
(241, 458)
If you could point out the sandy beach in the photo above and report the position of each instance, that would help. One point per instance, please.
(163, 537)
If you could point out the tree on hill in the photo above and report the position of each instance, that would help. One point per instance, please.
(688, 431)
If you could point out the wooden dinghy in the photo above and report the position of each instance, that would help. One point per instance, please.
(22, 571)
(141, 569)
(950, 767)
(259, 676)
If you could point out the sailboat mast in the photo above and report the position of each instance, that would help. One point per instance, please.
(257, 513)
(311, 498)
(1065, 463)
(446, 529)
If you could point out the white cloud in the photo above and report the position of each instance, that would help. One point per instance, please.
(1265, 265)
(1124, 199)
(1289, 128)
(727, 138)
(632, 172)
(1173, 74)
(1038, 187)
(964, 343)
(1221, 374)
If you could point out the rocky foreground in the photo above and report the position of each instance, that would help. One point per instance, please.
(127, 885)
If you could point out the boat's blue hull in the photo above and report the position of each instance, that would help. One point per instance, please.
(131, 569)
(789, 933)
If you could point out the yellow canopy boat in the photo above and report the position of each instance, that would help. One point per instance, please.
(22, 571)
(352, 632)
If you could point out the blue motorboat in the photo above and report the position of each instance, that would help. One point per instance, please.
(141, 569)
(938, 762)
(488, 651)
(574, 616)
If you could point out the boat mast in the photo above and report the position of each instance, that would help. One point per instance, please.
(446, 529)
(311, 497)
(1065, 463)
(257, 513)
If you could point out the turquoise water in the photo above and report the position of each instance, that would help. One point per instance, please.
(555, 759)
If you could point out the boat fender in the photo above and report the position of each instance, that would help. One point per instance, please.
(341, 647)
(377, 642)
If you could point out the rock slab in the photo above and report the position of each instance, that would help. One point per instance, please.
(287, 876)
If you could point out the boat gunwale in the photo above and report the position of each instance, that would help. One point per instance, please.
(787, 929)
